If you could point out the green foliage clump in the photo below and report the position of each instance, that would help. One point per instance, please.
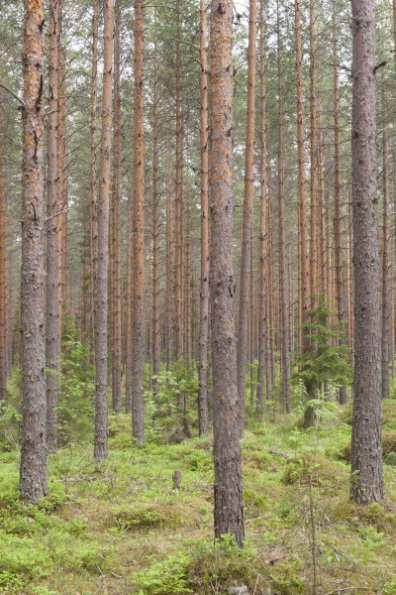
(165, 577)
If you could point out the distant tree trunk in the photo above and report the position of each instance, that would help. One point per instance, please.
(33, 469)
(53, 345)
(138, 336)
(263, 361)
(103, 207)
(367, 474)
(93, 171)
(386, 275)
(179, 202)
(302, 215)
(203, 412)
(340, 300)
(156, 230)
(245, 272)
(228, 498)
(62, 185)
(3, 266)
(170, 269)
(313, 156)
(283, 288)
(116, 322)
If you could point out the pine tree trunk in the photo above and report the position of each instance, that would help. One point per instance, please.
(3, 266)
(116, 322)
(156, 230)
(138, 332)
(103, 208)
(340, 300)
(283, 288)
(53, 339)
(63, 184)
(170, 270)
(313, 157)
(228, 498)
(263, 361)
(245, 272)
(386, 275)
(93, 172)
(33, 469)
(203, 410)
(367, 475)
(302, 214)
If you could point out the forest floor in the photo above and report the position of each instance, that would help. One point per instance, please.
(122, 528)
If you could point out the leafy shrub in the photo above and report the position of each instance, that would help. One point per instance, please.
(165, 577)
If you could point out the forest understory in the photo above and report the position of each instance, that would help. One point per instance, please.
(141, 521)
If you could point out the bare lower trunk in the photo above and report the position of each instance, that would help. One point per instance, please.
(33, 469)
(138, 336)
(53, 346)
(386, 276)
(367, 475)
(244, 286)
(203, 412)
(228, 498)
(103, 207)
(115, 227)
(3, 267)
(263, 360)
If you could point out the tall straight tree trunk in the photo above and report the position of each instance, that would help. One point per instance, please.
(340, 298)
(116, 322)
(367, 483)
(313, 266)
(62, 184)
(263, 361)
(302, 214)
(103, 208)
(138, 336)
(283, 287)
(179, 203)
(386, 275)
(243, 321)
(33, 468)
(156, 230)
(203, 410)
(93, 171)
(228, 498)
(170, 268)
(53, 345)
(3, 267)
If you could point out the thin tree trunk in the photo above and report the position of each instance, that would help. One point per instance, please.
(103, 208)
(228, 498)
(245, 272)
(203, 410)
(116, 321)
(283, 290)
(386, 276)
(367, 483)
(53, 338)
(179, 194)
(156, 214)
(138, 336)
(170, 269)
(3, 266)
(62, 185)
(262, 375)
(340, 300)
(33, 468)
(93, 171)
(303, 255)
(313, 156)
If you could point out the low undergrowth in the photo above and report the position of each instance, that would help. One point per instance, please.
(122, 526)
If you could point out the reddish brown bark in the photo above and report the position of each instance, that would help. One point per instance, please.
(245, 272)
(228, 498)
(103, 208)
(3, 267)
(203, 411)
